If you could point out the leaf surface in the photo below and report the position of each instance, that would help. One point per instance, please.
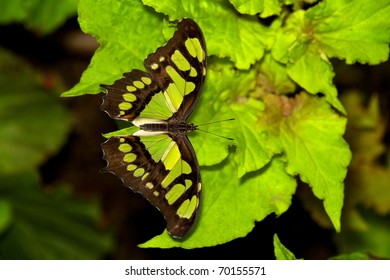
(230, 205)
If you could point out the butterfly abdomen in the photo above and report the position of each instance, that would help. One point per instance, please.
(169, 127)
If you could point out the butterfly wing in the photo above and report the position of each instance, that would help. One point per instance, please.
(163, 170)
(174, 80)
(134, 96)
(179, 67)
(162, 166)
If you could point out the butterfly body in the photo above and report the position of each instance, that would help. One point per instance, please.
(169, 127)
(158, 160)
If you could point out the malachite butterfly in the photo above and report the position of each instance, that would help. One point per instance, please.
(158, 160)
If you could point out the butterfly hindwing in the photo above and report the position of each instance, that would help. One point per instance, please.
(158, 160)
(163, 170)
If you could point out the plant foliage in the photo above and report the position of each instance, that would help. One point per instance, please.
(281, 134)
(281, 252)
(42, 16)
(35, 224)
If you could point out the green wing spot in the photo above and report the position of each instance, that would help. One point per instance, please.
(146, 80)
(180, 61)
(190, 47)
(131, 167)
(156, 145)
(139, 172)
(188, 183)
(139, 84)
(199, 187)
(185, 167)
(187, 208)
(130, 157)
(193, 72)
(156, 193)
(154, 66)
(172, 175)
(145, 176)
(125, 106)
(124, 148)
(171, 156)
(157, 108)
(181, 167)
(173, 97)
(131, 88)
(175, 91)
(129, 97)
(183, 87)
(149, 185)
(161, 59)
(174, 193)
(195, 48)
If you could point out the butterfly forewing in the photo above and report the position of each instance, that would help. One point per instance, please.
(158, 161)
(128, 97)
(179, 67)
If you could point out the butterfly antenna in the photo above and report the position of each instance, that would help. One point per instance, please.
(216, 122)
(224, 137)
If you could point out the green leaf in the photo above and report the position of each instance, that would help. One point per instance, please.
(281, 252)
(5, 215)
(33, 122)
(304, 58)
(251, 153)
(368, 175)
(229, 83)
(357, 31)
(42, 16)
(253, 7)
(352, 256)
(242, 40)
(273, 77)
(310, 134)
(230, 206)
(125, 43)
(365, 133)
(373, 240)
(250, 7)
(366, 128)
(14, 11)
(301, 136)
(127, 32)
(51, 225)
(305, 72)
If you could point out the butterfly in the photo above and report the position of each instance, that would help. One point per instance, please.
(158, 160)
